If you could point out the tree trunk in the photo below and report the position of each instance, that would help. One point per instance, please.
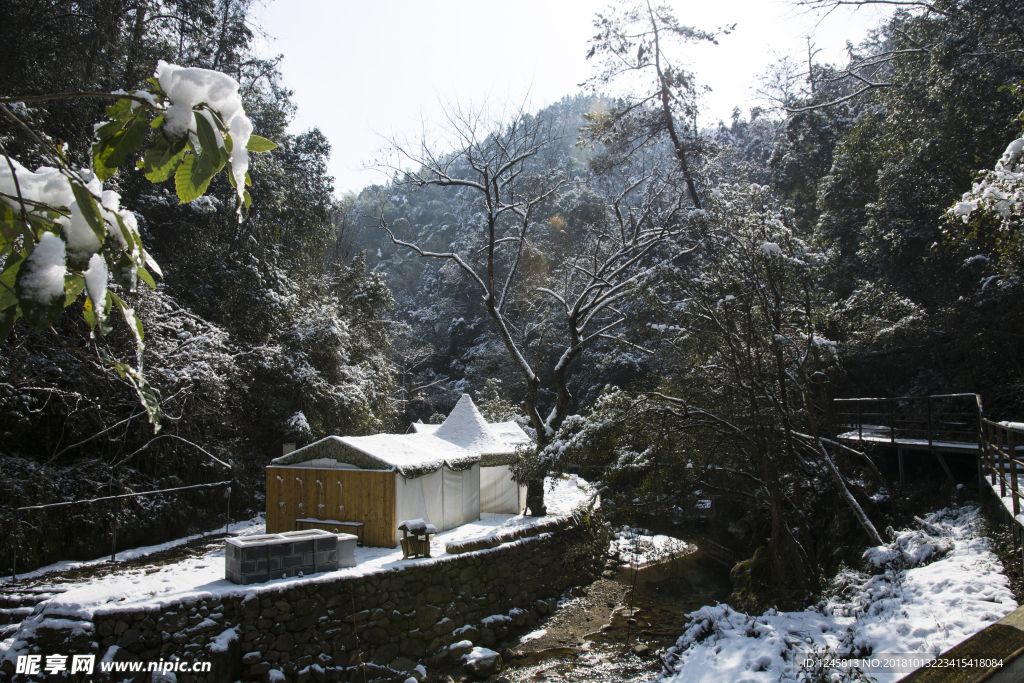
(535, 498)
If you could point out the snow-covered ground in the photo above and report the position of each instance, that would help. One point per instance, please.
(640, 547)
(925, 592)
(204, 575)
(242, 528)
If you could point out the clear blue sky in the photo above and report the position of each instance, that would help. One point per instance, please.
(361, 69)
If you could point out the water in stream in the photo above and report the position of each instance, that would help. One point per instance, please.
(656, 616)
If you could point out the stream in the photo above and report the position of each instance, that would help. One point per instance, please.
(652, 614)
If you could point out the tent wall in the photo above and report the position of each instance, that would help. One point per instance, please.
(418, 498)
(367, 496)
(460, 497)
(499, 493)
(445, 498)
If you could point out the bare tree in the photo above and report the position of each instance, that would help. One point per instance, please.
(632, 40)
(510, 185)
(996, 27)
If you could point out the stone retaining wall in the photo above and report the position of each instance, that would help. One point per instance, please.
(326, 630)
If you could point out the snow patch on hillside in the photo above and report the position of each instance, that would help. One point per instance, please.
(937, 587)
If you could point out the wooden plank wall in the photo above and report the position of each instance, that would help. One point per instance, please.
(368, 497)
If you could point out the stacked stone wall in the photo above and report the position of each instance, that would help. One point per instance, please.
(378, 625)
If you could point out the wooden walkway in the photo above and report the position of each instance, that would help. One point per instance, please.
(941, 424)
(881, 435)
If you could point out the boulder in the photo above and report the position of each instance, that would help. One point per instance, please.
(482, 662)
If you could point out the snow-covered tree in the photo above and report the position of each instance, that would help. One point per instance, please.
(550, 293)
(64, 234)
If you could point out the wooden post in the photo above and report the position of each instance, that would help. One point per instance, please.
(1000, 469)
(899, 455)
(227, 527)
(981, 456)
(892, 432)
(17, 532)
(113, 542)
(1010, 446)
(981, 490)
(860, 422)
(928, 406)
(991, 456)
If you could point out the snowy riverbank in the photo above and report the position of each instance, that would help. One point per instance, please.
(925, 592)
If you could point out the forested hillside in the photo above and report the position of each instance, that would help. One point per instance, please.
(259, 333)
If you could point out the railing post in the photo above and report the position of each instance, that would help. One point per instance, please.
(892, 422)
(14, 561)
(982, 446)
(860, 421)
(928, 406)
(1000, 469)
(991, 457)
(227, 527)
(1011, 447)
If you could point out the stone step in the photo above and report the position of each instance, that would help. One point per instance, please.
(14, 615)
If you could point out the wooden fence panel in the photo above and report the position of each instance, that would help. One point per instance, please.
(366, 496)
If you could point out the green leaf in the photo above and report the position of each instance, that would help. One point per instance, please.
(112, 152)
(8, 317)
(123, 272)
(258, 144)
(146, 277)
(132, 320)
(145, 392)
(130, 238)
(7, 279)
(208, 138)
(106, 131)
(193, 177)
(88, 314)
(157, 122)
(247, 198)
(98, 317)
(122, 109)
(161, 161)
(87, 205)
(73, 286)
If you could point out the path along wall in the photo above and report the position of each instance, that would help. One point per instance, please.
(322, 630)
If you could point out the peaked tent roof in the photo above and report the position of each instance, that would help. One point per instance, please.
(464, 439)
(467, 428)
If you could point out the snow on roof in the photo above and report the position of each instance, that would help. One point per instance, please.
(420, 428)
(509, 432)
(413, 454)
(466, 427)
(460, 442)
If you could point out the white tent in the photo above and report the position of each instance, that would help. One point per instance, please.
(496, 444)
(446, 474)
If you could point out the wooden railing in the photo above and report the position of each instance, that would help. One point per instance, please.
(999, 461)
(951, 418)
